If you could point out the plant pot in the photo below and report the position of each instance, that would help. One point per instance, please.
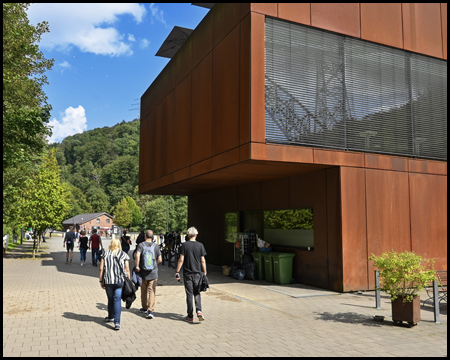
(406, 311)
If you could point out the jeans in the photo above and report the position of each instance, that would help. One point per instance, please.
(114, 293)
(83, 254)
(191, 286)
(95, 256)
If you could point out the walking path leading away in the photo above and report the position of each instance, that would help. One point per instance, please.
(54, 309)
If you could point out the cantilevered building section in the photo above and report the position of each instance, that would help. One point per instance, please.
(333, 114)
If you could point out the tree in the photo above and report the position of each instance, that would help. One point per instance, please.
(97, 199)
(122, 213)
(137, 215)
(13, 180)
(25, 111)
(154, 215)
(45, 201)
(179, 213)
(80, 205)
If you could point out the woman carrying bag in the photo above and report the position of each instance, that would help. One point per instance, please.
(125, 242)
(114, 267)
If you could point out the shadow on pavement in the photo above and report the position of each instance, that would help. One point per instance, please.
(430, 308)
(58, 260)
(87, 318)
(135, 311)
(352, 318)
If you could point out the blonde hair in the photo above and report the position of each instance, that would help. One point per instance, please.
(115, 246)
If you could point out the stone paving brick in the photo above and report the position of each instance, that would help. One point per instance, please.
(62, 307)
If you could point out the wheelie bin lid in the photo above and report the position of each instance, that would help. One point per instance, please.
(283, 255)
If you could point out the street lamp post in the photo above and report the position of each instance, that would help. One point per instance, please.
(167, 217)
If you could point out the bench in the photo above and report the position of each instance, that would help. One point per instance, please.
(442, 287)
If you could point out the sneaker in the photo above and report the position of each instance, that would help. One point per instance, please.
(70, 262)
(142, 310)
(189, 320)
(150, 315)
(67, 261)
(108, 320)
(81, 264)
(117, 327)
(200, 316)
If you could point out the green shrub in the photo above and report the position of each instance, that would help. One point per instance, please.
(403, 274)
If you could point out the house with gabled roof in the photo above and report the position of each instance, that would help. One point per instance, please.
(90, 221)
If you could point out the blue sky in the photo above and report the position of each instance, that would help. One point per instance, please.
(104, 58)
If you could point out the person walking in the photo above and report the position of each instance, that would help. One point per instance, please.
(148, 256)
(192, 259)
(95, 242)
(140, 238)
(114, 266)
(70, 240)
(126, 241)
(83, 241)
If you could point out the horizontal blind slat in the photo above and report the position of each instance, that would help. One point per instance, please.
(328, 90)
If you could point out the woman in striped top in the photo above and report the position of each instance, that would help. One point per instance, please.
(113, 269)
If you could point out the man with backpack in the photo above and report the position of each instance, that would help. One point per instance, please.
(148, 256)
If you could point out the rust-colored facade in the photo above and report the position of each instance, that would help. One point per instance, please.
(212, 94)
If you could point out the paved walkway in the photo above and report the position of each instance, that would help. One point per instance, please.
(54, 309)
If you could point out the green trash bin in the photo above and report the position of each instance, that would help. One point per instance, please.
(282, 267)
(258, 258)
(268, 266)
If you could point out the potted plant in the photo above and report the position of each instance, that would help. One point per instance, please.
(402, 276)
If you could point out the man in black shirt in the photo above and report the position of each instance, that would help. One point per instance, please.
(192, 259)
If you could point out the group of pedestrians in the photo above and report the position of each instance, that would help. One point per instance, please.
(114, 268)
(94, 242)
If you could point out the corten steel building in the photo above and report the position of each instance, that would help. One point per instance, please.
(336, 109)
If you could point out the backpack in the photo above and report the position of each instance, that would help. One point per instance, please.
(148, 257)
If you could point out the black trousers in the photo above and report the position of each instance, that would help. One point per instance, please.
(191, 286)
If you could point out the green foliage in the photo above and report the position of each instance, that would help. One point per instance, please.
(80, 205)
(45, 200)
(97, 199)
(231, 226)
(154, 214)
(122, 213)
(179, 213)
(103, 164)
(25, 111)
(289, 219)
(137, 215)
(403, 274)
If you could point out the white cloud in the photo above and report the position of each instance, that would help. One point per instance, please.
(131, 37)
(73, 121)
(144, 43)
(157, 14)
(65, 64)
(86, 26)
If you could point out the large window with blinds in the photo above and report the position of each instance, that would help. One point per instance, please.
(333, 91)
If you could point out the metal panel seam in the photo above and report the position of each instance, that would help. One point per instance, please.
(367, 236)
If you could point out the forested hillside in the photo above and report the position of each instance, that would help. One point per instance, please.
(102, 167)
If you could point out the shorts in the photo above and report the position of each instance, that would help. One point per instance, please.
(69, 246)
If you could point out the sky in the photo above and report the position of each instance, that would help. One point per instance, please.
(104, 58)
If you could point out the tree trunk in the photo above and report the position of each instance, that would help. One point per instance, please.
(34, 247)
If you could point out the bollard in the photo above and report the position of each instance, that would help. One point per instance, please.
(377, 291)
(436, 302)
